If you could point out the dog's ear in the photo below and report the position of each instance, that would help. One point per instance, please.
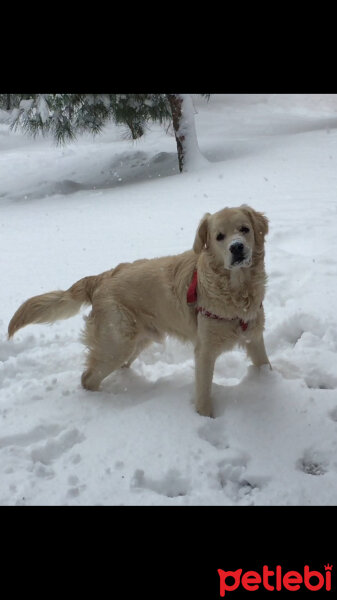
(259, 221)
(201, 237)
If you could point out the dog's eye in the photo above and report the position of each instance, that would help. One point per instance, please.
(220, 237)
(244, 229)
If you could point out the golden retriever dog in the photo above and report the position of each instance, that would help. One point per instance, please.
(211, 295)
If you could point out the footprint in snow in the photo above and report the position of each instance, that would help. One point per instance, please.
(232, 468)
(44, 444)
(333, 414)
(75, 488)
(214, 434)
(234, 479)
(319, 380)
(313, 462)
(55, 447)
(291, 330)
(41, 432)
(171, 485)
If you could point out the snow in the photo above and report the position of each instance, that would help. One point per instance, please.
(42, 108)
(67, 212)
(26, 104)
(193, 159)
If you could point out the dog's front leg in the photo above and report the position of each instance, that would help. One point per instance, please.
(257, 352)
(204, 367)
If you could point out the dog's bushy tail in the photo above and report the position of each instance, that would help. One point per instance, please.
(53, 306)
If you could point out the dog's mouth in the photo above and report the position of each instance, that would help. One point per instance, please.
(240, 255)
(240, 261)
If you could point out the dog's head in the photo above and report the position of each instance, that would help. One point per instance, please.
(234, 236)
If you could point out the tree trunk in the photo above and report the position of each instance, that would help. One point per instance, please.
(176, 101)
(8, 102)
(189, 155)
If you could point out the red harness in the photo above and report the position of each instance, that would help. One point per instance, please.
(192, 297)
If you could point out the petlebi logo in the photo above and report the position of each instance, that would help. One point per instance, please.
(276, 579)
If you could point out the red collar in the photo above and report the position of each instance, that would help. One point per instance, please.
(192, 297)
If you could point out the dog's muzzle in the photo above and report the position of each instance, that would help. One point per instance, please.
(240, 254)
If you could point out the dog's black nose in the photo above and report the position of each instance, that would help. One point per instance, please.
(236, 248)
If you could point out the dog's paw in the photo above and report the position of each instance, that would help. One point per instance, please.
(90, 381)
(205, 411)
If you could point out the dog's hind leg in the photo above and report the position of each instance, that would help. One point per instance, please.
(112, 341)
(100, 366)
(140, 346)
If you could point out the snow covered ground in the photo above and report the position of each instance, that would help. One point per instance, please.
(81, 209)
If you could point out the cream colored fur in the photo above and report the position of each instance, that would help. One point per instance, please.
(138, 303)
